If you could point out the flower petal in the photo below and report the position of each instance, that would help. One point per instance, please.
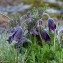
(51, 24)
(17, 34)
(45, 35)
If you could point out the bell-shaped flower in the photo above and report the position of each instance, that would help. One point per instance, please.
(20, 38)
(51, 24)
(16, 35)
(45, 35)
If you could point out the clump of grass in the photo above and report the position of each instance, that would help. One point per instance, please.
(34, 54)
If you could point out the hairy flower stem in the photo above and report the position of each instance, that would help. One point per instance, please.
(34, 39)
(60, 58)
(54, 39)
(16, 56)
(24, 22)
(46, 15)
(40, 36)
(6, 16)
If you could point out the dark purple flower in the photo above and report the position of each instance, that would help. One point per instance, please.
(19, 37)
(51, 24)
(45, 35)
(16, 35)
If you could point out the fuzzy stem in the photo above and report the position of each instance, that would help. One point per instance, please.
(59, 40)
(54, 39)
(6, 16)
(34, 38)
(40, 36)
(22, 17)
(39, 28)
(60, 57)
(46, 15)
(24, 22)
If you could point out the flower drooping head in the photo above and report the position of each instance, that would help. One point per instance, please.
(51, 24)
(45, 35)
(16, 35)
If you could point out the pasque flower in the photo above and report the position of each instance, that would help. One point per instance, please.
(51, 24)
(45, 35)
(17, 35)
